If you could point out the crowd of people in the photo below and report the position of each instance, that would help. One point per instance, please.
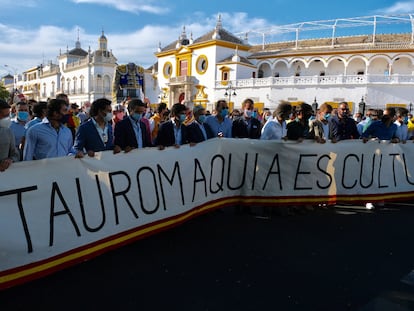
(38, 130)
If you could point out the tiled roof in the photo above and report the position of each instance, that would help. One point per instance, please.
(78, 52)
(223, 35)
(382, 41)
(243, 60)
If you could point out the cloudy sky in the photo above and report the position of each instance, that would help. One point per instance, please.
(33, 32)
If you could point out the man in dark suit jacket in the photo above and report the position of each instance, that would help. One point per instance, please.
(131, 133)
(247, 126)
(95, 134)
(198, 131)
(173, 132)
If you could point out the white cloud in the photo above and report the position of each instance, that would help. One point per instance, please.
(398, 8)
(27, 48)
(132, 6)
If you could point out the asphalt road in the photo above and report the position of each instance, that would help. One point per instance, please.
(346, 258)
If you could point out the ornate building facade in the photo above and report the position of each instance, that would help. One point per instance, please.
(374, 70)
(83, 75)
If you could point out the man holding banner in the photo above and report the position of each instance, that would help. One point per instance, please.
(50, 138)
(8, 151)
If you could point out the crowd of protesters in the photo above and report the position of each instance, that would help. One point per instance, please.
(38, 130)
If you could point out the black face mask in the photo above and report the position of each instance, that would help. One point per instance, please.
(385, 118)
(64, 119)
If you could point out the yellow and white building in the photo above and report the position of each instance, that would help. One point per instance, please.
(371, 70)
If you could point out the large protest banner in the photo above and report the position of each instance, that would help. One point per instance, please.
(61, 211)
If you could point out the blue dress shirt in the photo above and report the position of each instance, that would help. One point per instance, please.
(43, 141)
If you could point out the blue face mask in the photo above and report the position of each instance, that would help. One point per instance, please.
(224, 112)
(327, 116)
(405, 120)
(202, 118)
(136, 116)
(23, 115)
(181, 118)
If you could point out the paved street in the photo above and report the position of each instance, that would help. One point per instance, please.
(347, 258)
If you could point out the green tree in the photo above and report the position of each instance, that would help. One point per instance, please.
(4, 93)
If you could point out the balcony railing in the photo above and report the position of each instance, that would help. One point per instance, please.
(319, 80)
(182, 79)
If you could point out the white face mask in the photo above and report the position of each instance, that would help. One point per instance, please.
(5, 122)
(108, 116)
(248, 113)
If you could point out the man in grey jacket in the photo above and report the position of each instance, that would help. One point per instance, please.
(8, 150)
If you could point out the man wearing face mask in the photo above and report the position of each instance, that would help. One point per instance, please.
(8, 151)
(384, 129)
(401, 123)
(319, 128)
(248, 126)
(342, 126)
(173, 132)
(95, 134)
(219, 123)
(275, 128)
(18, 124)
(198, 131)
(131, 132)
(50, 138)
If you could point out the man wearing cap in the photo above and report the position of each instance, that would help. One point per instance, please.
(198, 131)
(8, 150)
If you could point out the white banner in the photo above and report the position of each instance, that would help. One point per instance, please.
(57, 212)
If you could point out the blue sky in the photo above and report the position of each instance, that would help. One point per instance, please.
(34, 31)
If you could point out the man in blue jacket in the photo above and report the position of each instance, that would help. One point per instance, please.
(95, 134)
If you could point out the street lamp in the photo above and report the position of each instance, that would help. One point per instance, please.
(315, 106)
(361, 107)
(230, 91)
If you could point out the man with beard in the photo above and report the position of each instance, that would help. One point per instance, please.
(384, 129)
(342, 126)
(50, 138)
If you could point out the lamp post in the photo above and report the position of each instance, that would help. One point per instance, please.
(315, 106)
(230, 91)
(410, 106)
(361, 106)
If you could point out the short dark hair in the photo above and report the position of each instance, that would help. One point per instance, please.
(401, 111)
(38, 108)
(99, 104)
(219, 102)
(4, 105)
(283, 108)
(54, 105)
(132, 103)
(176, 109)
(62, 96)
(161, 107)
